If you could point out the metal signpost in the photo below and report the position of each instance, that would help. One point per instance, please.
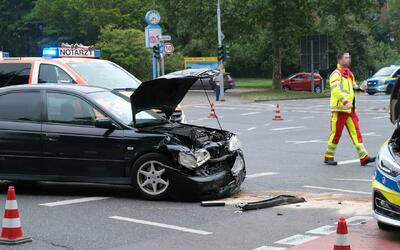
(155, 40)
(152, 33)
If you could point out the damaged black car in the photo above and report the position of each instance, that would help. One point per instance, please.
(89, 134)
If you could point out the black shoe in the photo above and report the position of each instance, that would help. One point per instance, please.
(330, 162)
(368, 160)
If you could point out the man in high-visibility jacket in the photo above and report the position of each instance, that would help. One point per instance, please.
(342, 105)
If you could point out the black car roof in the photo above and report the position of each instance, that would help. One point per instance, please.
(49, 86)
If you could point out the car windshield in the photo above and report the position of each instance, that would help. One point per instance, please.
(104, 74)
(386, 71)
(120, 107)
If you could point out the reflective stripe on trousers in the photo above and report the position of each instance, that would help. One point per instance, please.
(338, 121)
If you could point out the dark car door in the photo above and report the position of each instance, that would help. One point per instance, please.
(20, 133)
(73, 146)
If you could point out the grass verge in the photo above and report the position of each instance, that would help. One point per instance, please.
(253, 83)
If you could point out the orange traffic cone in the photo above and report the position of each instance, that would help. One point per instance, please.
(277, 114)
(11, 232)
(212, 113)
(342, 243)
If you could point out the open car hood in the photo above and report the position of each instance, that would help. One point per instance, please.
(162, 93)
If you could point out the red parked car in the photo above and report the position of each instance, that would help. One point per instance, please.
(302, 82)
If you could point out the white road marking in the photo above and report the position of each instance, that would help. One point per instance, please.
(264, 105)
(337, 189)
(267, 124)
(357, 220)
(304, 142)
(261, 174)
(324, 230)
(348, 162)
(270, 248)
(74, 201)
(380, 117)
(252, 128)
(251, 113)
(307, 117)
(286, 128)
(360, 180)
(156, 224)
(370, 134)
(296, 239)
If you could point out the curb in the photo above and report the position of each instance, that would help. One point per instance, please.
(288, 99)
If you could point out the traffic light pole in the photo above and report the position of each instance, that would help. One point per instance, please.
(221, 62)
(154, 66)
(162, 66)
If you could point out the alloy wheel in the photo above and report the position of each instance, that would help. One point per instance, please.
(150, 178)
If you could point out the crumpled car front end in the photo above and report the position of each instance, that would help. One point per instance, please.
(209, 162)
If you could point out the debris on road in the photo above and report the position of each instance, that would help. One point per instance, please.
(212, 203)
(276, 201)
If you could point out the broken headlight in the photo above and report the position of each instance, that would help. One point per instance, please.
(234, 143)
(193, 160)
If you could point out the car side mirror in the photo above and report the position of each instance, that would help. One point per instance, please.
(104, 123)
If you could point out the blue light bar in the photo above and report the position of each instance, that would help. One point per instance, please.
(51, 52)
(4, 54)
(67, 52)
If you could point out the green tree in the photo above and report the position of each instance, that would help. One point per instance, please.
(18, 33)
(81, 20)
(126, 47)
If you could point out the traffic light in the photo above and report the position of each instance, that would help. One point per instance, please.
(156, 51)
(226, 52)
(220, 53)
(223, 52)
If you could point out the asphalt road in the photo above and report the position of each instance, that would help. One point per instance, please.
(282, 157)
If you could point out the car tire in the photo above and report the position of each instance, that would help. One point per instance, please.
(386, 227)
(286, 88)
(317, 89)
(389, 89)
(371, 93)
(149, 177)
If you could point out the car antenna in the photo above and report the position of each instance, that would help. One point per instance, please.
(209, 102)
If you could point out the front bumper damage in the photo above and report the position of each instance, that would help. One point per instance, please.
(222, 182)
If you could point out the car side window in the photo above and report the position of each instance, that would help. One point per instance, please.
(299, 78)
(21, 106)
(70, 109)
(309, 77)
(49, 73)
(14, 73)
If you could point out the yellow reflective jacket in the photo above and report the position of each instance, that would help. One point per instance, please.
(342, 90)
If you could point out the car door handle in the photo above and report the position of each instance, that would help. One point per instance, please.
(52, 137)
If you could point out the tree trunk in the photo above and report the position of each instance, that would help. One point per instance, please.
(276, 68)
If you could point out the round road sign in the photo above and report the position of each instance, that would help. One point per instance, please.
(168, 48)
